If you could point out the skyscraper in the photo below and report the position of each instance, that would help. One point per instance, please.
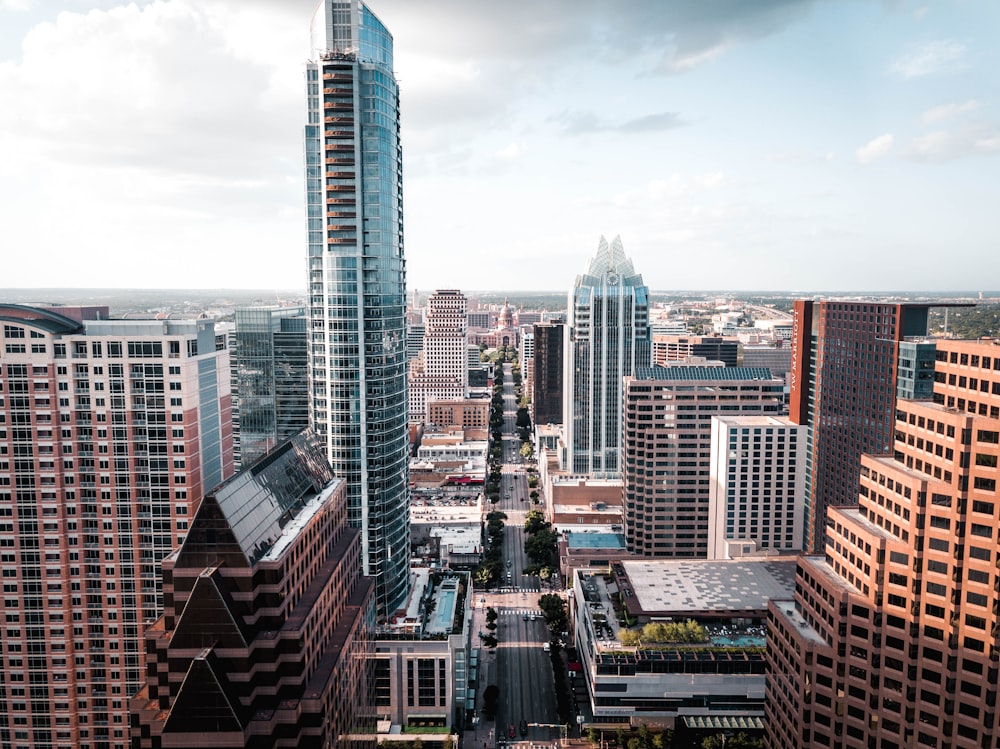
(357, 281)
(442, 372)
(547, 373)
(266, 623)
(893, 637)
(270, 379)
(110, 433)
(607, 338)
(843, 387)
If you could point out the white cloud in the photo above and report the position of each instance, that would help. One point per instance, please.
(932, 58)
(947, 111)
(874, 149)
(511, 152)
(16, 5)
(942, 145)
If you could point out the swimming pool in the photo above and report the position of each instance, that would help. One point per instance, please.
(444, 612)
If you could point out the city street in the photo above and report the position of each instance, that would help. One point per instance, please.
(520, 667)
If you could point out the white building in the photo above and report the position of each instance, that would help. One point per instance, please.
(441, 372)
(757, 490)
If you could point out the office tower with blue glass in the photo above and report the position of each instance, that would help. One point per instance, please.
(357, 282)
(270, 379)
(607, 338)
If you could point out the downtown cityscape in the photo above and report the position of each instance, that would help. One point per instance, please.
(579, 512)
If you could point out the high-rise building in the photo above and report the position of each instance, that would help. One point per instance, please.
(892, 636)
(666, 483)
(441, 372)
(757, 478)
(607, 338)
(357, 281)
(267, 620)
(843, 387)
(547, 373)
(270, 380)
(110, 433)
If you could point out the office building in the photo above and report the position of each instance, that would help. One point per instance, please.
(270, 381)
(110, 433)
(776, 358)
(678, 348)
(267, 620)
(547, 373)
(892, 636)
(441, 372)
(357, 281)
(666, 483)
(607, 338)
(843, 387)
(755, 503)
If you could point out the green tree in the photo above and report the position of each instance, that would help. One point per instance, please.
(534, 521)
(645, 737)
(527, 450)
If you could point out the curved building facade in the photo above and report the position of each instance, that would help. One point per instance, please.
(608, 336)
(357, 281)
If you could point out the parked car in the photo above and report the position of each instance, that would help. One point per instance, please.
(547, 647)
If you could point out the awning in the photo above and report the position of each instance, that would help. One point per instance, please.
(724, 722)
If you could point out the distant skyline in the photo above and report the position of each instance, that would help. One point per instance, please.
(792, 145)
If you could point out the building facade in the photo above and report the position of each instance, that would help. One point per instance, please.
(265, 634)
(892, 637)
(441, 373)
(666, 484)
(607, 338)
(547, 373)
(357, 281)
(758, 476)
(677, 348)
(843, 387)
(110, 433)
(270, 381)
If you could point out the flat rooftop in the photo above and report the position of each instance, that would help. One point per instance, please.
(794, 618)
(677, 586)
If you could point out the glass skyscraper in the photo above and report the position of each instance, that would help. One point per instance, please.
(357, 281)
(270, 379)
(608, 336)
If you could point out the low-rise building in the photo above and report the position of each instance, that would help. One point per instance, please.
(630, 680)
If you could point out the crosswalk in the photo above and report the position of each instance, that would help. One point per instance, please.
(519, 612)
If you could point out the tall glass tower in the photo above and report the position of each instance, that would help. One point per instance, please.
(357, 281)
(608, 336)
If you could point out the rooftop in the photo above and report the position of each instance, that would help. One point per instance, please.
(671, 586)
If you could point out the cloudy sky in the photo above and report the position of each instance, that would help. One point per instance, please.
(732, 144)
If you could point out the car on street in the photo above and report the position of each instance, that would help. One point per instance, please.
(524, 727)
(547, 647)
(511, 731)
(531, 617)
(525, 617)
